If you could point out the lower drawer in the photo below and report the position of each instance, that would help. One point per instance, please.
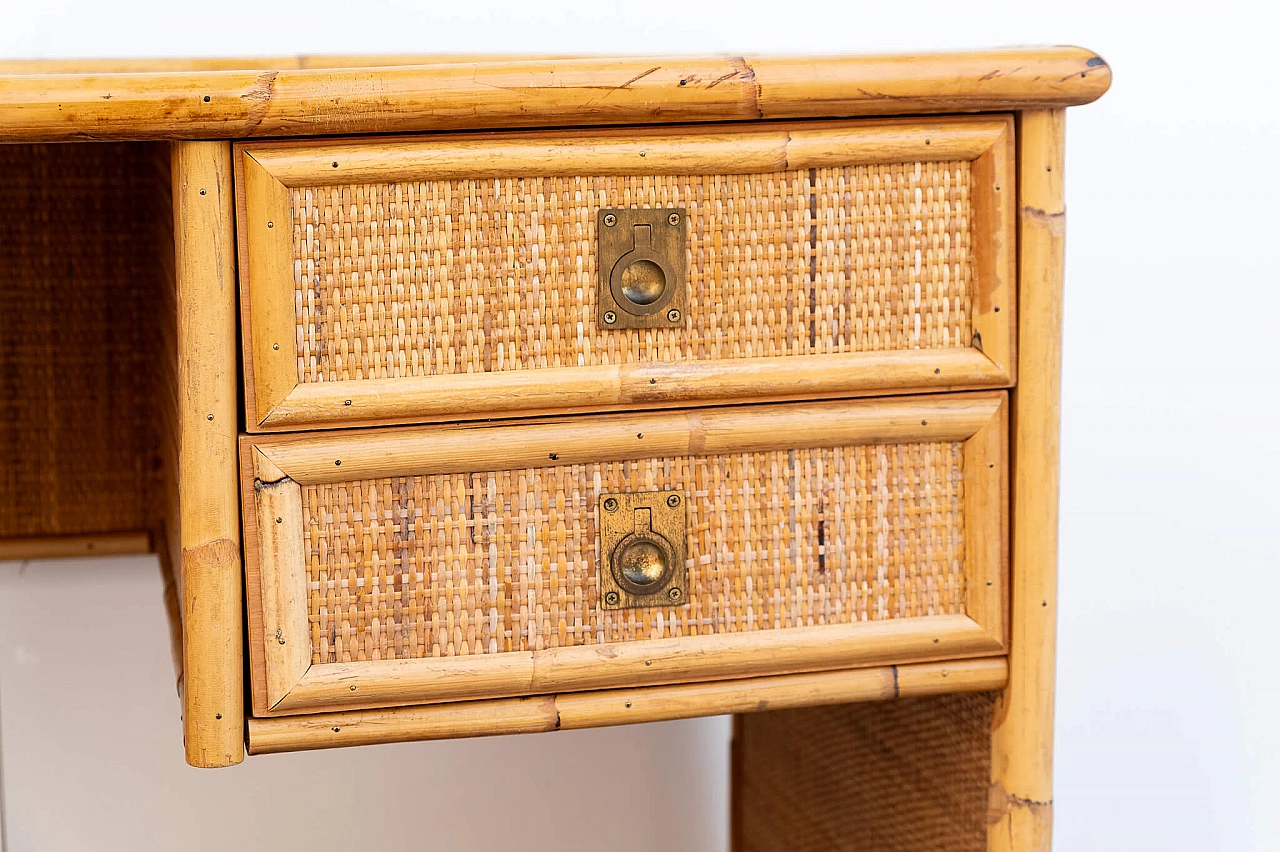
(432, 564)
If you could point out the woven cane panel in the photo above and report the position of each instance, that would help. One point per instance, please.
(898, 776)
(82, 274)
(465, 276)
(483, 563)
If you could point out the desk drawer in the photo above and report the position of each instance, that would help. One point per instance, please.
(430, 564)
(433, 278)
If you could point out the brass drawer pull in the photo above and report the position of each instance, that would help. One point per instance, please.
(642, 549)
(642, 268)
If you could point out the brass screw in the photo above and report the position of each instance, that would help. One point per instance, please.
(610, 317)
(610, 220)
(673, 219)
(674, 593)
(611, 598)
(611, 504)
(673, 315)
(673, 500)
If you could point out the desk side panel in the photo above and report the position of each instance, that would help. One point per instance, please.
(82, 264)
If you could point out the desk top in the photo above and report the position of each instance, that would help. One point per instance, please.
(80, 100)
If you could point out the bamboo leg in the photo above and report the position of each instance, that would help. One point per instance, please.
(1021, 799)
(210, 572)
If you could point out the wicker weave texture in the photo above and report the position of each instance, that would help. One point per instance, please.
(81, 272)
(899, 776)
(464, 276)
(448, 565)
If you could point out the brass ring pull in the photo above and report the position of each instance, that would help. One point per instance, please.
(642, 549)
(642, 279)
(642, 264)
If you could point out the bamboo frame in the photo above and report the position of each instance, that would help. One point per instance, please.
(275, 399)
(281, 99)
(72, 546)
(207, 556)
(1022, 738)
(546, 713)
(276, 467)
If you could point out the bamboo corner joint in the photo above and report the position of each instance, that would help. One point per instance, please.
(497, 395)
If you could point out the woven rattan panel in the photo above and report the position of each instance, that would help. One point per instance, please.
(447, 565)
(81, 272)
(899, 776)
(441, 277)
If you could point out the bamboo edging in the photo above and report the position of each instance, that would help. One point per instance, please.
(71, 546)
(522, 92)
(1021, 800)
(209, 561)
(343, 456)
(569, 711)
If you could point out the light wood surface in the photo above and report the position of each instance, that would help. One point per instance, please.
(1021, 799)
(267, 317)
(613, 387)
(72, 546)
(239, 63)
(285, 681)
(212, 624)
(388, 683)
(282, 579)
(986, 534)
(346, 456)
(706, 149)
(521, 92)
(268, 171)
(995, 256)
(619, 707)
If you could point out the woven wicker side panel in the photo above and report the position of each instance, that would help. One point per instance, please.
(448, 565)
(80, 325)
(441, 277)
(898, 776)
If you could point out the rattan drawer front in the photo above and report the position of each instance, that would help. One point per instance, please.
(431, 564)
(439, 277)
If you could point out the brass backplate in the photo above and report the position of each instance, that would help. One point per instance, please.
(642, 266)
(642, 550)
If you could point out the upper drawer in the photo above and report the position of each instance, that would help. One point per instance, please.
(403, 280)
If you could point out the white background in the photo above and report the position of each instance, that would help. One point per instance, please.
(1167, 678)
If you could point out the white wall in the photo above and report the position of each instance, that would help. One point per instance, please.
(1167, 680)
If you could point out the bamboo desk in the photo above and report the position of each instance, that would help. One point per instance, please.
(120, 355)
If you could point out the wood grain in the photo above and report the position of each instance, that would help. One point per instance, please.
(995, 253)
(619, 707)
(767, 147)
(284, 632)
(1021, 799)
(389, 683)
(379, 402)
(72, 546)
(291, 101)
(986, 532)
(212, 623)
(346, 456)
